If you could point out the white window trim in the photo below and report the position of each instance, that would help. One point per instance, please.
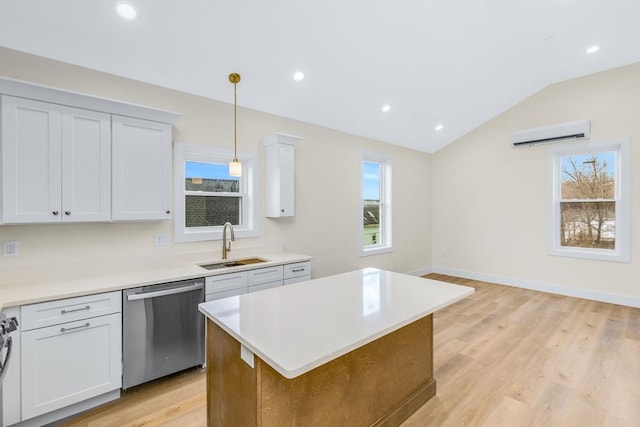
(183, 152)
(623, 200)
(386, 204)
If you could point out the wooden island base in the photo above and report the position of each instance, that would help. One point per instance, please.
(379, 384)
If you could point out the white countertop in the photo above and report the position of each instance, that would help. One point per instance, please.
(299, 327)
(20, 287)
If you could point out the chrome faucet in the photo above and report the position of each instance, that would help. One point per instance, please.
(226, 247)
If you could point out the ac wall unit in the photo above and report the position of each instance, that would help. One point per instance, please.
(579, 129)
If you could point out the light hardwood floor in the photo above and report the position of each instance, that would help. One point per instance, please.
(503, 357)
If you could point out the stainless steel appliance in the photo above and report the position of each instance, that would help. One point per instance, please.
(163, 331)
(7, 325)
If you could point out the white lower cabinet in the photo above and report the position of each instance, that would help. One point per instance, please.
(69, 362)
(232, 284)
(265, 278)
(297, 272)
(296, 280)
(225, 285)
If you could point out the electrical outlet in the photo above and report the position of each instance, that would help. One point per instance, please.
(10, 248)
(161, 239)
(246, 355)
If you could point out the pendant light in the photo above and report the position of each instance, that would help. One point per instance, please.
(235, 167)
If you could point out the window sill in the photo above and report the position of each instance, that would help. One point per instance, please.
(375, 251)
(596, 255)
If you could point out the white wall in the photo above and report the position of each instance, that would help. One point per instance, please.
(328, 216)
(490, 200)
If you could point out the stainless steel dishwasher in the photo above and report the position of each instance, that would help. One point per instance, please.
(162, 330)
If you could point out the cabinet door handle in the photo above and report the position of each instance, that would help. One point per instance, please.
(86, 325)
(296, 270)
(168, 212)
(55, 212)
(67, 212)
(88, 307)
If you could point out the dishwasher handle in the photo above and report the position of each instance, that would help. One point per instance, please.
(172, 291)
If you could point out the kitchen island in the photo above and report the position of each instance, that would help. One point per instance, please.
(350, 349)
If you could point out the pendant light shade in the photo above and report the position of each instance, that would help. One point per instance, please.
(235, 167)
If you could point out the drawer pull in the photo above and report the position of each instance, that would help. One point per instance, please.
(296, 270)
(86, 325)
(87, 307)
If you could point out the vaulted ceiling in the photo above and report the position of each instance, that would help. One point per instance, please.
(451, 65)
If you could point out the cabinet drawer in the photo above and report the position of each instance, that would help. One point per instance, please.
(261, 276)
(225, 294)
(265, 286)
(296, 280)
(69, 310)
(298, 269)
(225, 282)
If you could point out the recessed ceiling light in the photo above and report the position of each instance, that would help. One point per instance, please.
(386, 108)
(439, 127)
(593, 49)
(298, 76)
(126, 11)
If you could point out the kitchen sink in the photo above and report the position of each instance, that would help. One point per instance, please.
(232, 263)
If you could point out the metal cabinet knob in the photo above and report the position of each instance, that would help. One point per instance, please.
(67, 212)
(55, 212)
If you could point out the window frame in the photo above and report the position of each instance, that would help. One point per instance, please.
(622, 197)
(386, 205)
(187, 152)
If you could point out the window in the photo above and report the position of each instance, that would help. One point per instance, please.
(376, 204)
(589, 201)
(212, 197)
(206, 196)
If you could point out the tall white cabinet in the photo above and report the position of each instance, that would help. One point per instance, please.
(55, 162)
(279, 159)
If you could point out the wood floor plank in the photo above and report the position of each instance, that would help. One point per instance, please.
(503, 357)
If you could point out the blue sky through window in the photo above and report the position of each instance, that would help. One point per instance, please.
(207, 170)
(608, 156)
(371, 180)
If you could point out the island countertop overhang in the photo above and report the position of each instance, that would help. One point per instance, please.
(299, 327)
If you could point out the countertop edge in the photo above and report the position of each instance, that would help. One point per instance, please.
(20, 292)
(293, 372)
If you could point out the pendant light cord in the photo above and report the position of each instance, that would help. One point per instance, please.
(235, 167)
(235, 127)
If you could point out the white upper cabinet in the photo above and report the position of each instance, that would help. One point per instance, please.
(69, 157)
(86, 165)
(55, 162)
(141, 169)
(279, 158)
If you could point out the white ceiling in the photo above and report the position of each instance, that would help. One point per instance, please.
(458, 63)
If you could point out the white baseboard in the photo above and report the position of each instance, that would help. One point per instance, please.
(51, 418)
(420, 271)
(543, 287)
